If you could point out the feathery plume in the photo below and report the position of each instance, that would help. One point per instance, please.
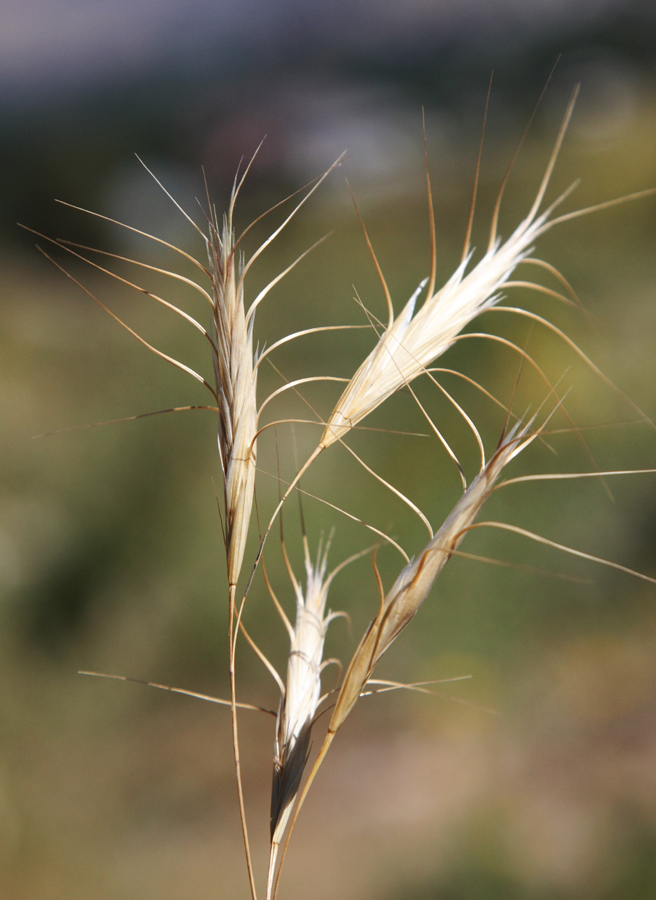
(413, 340)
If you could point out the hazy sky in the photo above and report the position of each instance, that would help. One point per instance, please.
(48, 45)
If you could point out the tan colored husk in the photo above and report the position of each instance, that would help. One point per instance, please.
(236, 382)
(414, 582)
(236, 371)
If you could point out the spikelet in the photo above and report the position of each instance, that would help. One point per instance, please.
(413, 340)
(235, 369)
(236, 385)
(302, 692)
(414, 582)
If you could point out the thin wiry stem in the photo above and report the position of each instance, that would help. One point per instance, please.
(607, 204)
(145, 234)
(262, 657)
(561, 334)
(495, 338)
(293, 384)
(438, 434)
(431, 215)
(532, 286)
(542, 264)
(415, 686)
(505, 342)
(379, 271)
(325, 747)
(520, 567)
(469, 381)
(169, 359)
(175, 690)
(235, 742)
(554, 155)
(157, 412)
(271, 208)
(137, 287)
(470, 221)
(566, 476)
(343, 512)
(142, 265)
(390, 487)
(68, 245)
(278, 278)
(464, 415)
(297, 334)
(277, 231)
(511, 164)
(288, 421)
(542, 540)
(419, 690)
(172, 199)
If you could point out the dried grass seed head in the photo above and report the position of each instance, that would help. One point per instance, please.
(235, 367)
(303, 685)
(236, 385)
(415, 580)
(413, 340)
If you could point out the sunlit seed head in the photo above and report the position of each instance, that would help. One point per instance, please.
(416, 579)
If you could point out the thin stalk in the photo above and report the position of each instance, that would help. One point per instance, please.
(325, 747)
(235, 739)
(291, 487)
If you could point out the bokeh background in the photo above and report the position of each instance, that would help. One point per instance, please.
(536, 778)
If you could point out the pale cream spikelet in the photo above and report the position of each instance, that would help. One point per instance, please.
(236, 369)
(236, 386)
(416, 579)
(231, 340)
(413, 584)
(413, 340)
(301, 694)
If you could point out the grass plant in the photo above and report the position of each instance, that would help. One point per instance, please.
(406, 346)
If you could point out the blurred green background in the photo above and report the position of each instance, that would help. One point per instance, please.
(536, 778)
